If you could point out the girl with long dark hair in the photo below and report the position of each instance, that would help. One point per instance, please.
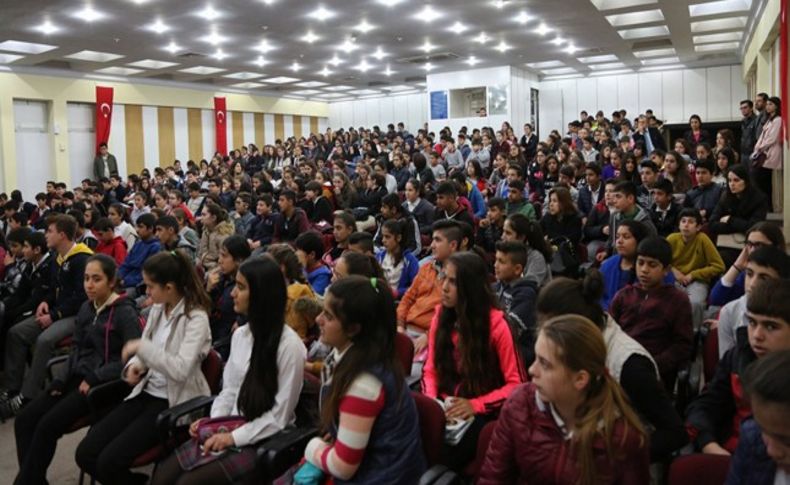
(220, 284)
(472, 363)
(519, 227)
(366, 407)
(262, 381)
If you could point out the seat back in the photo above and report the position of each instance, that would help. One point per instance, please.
(710, 353)
(404, 349)
(212, 370)
(432, 424)
(699, 469)
(473, 468)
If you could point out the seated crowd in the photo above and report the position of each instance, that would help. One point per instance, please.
(555, 294)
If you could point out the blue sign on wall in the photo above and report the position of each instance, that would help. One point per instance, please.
(439, 105)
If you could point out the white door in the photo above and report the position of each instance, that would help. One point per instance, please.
(550, 116)
(82, 141)
(34, 152)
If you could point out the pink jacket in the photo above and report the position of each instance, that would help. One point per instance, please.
(770, 143)
(509, 364)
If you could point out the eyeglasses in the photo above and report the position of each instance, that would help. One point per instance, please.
(755, 244)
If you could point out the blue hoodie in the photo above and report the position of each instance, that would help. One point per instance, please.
(131, 270)
(410, 268)
(477, 201)
(319, 279)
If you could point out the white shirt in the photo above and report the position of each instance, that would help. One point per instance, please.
(157, 382)
(412, 205)
(291, 354)
(392, 271)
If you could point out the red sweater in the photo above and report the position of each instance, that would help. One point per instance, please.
(509, 365)
(116, 249)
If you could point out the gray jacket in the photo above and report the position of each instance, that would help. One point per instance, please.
(642, 215)
(749, 135)
(99, 168)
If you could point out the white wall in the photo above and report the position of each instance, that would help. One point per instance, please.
(714, 93)
(33, 133)
(411, 109)
(82, 140)
(521, 84)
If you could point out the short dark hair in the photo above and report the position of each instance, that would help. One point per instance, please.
(771, 257)
(447, 188)
(266, 199)
(37, 240)
(20, 218)
(65, 224)
(17, 236)
(346, 217)
(288, 194)
(363, 239)
(767, 378)
(649, 164)
(314, 186)
(167, 222)
(626, 187)
(594, 166)
(146, 220)
(515, 250)
(691, 212)
(497, 202)
(103, 224)
(770, 298)
(310, 242)
(516, 184)
(450, 229)
(392, 201)
(664, 185)
(705, 164)
(748, 102)
(657, 248)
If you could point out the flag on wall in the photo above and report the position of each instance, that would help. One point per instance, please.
(103, 114)
(220, 123)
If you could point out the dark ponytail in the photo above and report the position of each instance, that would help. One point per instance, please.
(175, 267)
(362, 264)
(579, 297)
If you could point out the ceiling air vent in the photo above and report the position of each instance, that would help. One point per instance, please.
(163, 77)
(728, 56)
(191, 55)
(436, 57)
(415, 79)
(651, 44)
(54, 64)
(376, 84)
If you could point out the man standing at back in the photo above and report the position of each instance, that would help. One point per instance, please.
(749, 132)
(104, 165)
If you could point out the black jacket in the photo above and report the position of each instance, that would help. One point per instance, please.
(744, 212)
(32, 290)
(424, 214)
(704, 198)
(666, 223)
(569, 226)
(488, 237)
(655, 137)
(67, 291)
(262, 229)
(585, 198)
(518, 302)
(597, 219)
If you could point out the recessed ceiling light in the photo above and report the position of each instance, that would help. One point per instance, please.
(561, 70)
(363, 92)
(264, 46)
(311, 84)
(94, 56)
(427, 46)
(545, 64)
(558, 40)
(172, 47)
(719, 7)
(247, 85)
(723, 37)
(522, 18)
(9, 58)
(321, 14)
(260, 61)
(330, 95)
(571, 49)
(669, 51)
(326, 72)
(543, 29)
(389, 3)
(379, 54)
(458, 28)
(214, 38)
(499, 3)
(660, 60)
(88, 14)
(281, 80)
(718, 24)
(428, 14)
(662, 68)
(606, 66)
(612, 73)
(152, 64)
(243, 75)
(340, 87)
(119, 71)
(482, 38)
(158, 27)
(201, 70)
(388, 72)
(635, 18)
(335, 61)
(348, 45)
(47, 28)
(268, 2)
(472, 60)
(594, 59)
(363, 66)
(25, 47)
(209, 13)
(140, 2)
(721, 46)
(397, 88)
(296, 67)
(364, 27)
(307, 92)
(503, 46)
(428, 66)
(310, 37)
(616, 4)
(644, 32)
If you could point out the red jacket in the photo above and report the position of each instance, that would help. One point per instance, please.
(116, 249)
(509, 365)
(527, 446)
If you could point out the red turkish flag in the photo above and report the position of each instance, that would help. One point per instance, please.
(220, 123)
(103, 115)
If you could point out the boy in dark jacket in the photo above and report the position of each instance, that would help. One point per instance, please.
(130, 273)
(35, 282)
(54, 317)
(491, 228)
(516, 294)
(261, 232)
(596, 229)
(656, 314)
(714, 418)
(664, 212)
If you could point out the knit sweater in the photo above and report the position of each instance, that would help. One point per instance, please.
(697, 258)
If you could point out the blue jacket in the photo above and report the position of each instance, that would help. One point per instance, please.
(750, 464)
(720, 295)
(131, 270)
(319, 279)
(477, 201)
(410, 268)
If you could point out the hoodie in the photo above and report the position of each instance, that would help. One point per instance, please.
(131, 269)
(116, 249)
(67, 291)
(518, 303)
(211, 241)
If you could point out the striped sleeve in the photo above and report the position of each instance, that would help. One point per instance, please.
(359, 409)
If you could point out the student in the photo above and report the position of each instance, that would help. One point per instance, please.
(321, 208)
(740, 207)
(491, 227)
(109, 244)
(216, 228)
(195, 202)
(628, 362)
(417, 306)
(343, 226)
(516, 203)
(392, 210)
(34, 284)
(242, 217)
(472, 362)
(714, 418)
(619, 269)
(292, 221)
(516, 294)
(731, 285)
(676, 171)
(15, 268)
(767, 263)
(220, 284)
(367, 409)
(356, 263)
(695, 261)
(419, 208)
(130, 273)
(170, 240)
(261, 231)
(399, 264)
(184, 228)
(447, 206)
(439, 172)
(175, 200)
(762, 456)
(655, 314)
(665, 212)
(593, 191)
(163, 367)
(294, 275)
(309, 248)
(104, 323)
(625, 207)
(53, 319)
(648, 175)
(562, 219)
(596, 226)
(705, 196)
(120, 221)
(572, 423)
(262, 381)
(308, 310)
(361, 242)
(140, 206)
(518, 228)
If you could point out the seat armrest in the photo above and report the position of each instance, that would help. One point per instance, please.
(439, 474)
(107, 395)
(51, 363)
(283, 450)
(182, 415)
